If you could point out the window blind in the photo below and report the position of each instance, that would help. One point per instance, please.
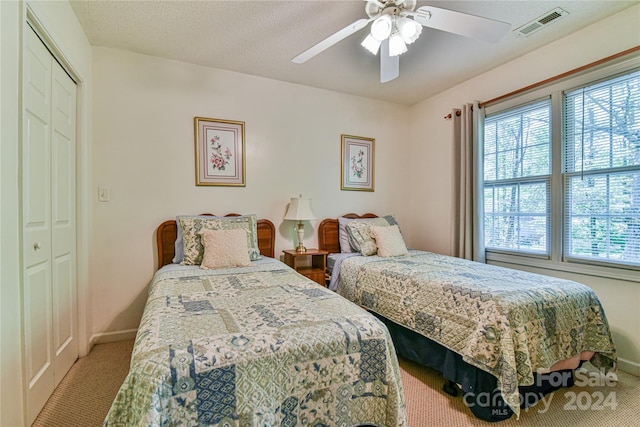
(517, 168)
(601, 128)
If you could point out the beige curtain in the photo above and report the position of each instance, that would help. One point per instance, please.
(466, 231)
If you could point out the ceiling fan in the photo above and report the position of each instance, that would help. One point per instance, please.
(397, 23)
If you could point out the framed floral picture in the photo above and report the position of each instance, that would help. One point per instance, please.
(357, 163)
(220, 156)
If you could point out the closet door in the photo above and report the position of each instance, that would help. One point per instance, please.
(48, 223)
(36, 224)
(63, 223)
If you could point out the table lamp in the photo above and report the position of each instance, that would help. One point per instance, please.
(300, 210)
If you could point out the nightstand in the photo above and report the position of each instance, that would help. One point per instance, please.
(299, 261)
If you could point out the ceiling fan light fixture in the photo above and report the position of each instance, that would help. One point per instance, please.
(397, 46)
(393, 24)
(409, 29)
(381, 27)
(371, 44)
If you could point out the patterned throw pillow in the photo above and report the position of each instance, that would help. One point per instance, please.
(179, 244)
(360, 235)
(389, 241)
(191, 226)
(224, 249)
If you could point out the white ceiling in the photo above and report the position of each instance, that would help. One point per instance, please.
(261, 37)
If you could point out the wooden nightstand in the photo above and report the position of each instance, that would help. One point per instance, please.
(299, 262)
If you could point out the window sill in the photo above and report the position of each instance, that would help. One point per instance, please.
(568, 267)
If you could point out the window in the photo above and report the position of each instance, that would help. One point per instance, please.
(517, 171)
(602, 171)
(594, 131)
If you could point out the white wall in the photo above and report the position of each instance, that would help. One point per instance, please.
(62, 31)
(143, 150)
(431, 156)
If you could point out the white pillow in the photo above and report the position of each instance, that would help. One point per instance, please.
(389, 241)
(225, 248)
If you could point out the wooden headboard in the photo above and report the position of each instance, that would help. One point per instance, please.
(328, 232)
(167, 233)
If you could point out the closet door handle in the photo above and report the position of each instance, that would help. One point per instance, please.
(36, 246)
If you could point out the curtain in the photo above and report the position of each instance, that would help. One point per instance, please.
(466, 232)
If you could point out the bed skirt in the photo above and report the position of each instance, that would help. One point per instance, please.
(479, 388)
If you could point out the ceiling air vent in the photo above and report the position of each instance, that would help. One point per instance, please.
(540, 22)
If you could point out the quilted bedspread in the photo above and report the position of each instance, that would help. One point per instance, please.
(507, 322)
(257, 346)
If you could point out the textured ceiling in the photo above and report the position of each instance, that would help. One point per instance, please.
(261, 37)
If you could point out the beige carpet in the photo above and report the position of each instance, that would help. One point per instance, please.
(85, 394)
(428, 405)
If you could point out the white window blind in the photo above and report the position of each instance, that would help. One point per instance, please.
(602, 171)
(517, 168)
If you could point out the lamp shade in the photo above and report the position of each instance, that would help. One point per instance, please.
(300, 209)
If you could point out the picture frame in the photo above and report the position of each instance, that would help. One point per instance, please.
(220, 152)
(358, 163)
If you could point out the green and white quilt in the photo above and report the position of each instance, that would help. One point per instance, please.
(257, 346)
(507, 322)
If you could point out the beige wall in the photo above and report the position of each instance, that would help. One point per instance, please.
(293, 134)
(10, 354)
(431, 156)
(143, 150)
(59, 26)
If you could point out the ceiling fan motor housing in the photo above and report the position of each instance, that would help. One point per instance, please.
(374, 8)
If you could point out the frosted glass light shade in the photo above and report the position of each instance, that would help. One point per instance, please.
(409, 30)
(400, 31)
(381, 27)
(397, 46)
(371, 44)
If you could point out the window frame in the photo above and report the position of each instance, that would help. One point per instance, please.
(530, 179)
(557, 259)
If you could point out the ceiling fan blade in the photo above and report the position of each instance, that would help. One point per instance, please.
(389, 65)
(331, 40)
(485, 29)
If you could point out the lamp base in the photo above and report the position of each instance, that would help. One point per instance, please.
(300, 247)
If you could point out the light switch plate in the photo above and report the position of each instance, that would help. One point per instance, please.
(103, 194)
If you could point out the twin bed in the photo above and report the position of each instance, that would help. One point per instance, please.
(259, 344)
(497, 332)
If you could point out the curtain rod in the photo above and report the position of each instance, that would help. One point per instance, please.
(560, 76)
(448, 116)
(458, 113)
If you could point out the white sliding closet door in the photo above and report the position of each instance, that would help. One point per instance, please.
(49, 225)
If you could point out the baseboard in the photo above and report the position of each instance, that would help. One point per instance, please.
(629, 367)
(105, 337)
